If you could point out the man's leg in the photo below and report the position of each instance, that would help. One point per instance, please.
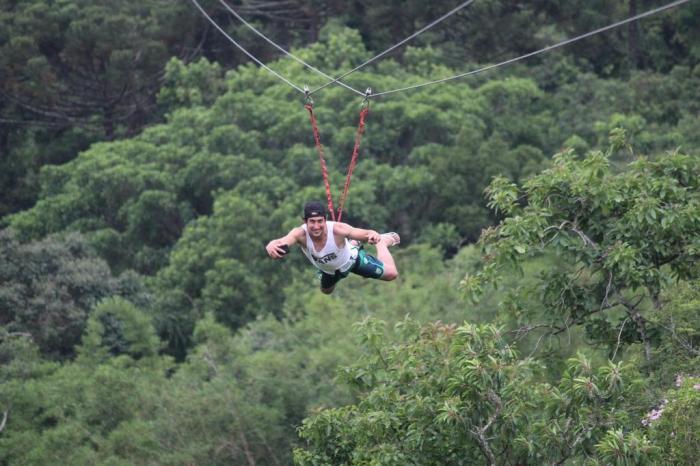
(388, 240)
(329, 281)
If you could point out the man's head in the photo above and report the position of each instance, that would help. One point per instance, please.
(314, 209)
(315, 218)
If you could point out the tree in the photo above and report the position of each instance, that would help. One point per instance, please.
(421, 151)
(211, 271)
(622, 237)
(48, 289)
(77, 72)
(79, 412)
(89, 65)
(455, 395)
(672, 424)
(117, 327)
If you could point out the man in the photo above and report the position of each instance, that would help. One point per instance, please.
(326, 245)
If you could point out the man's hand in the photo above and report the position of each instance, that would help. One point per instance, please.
(277, 249)
(373, 237)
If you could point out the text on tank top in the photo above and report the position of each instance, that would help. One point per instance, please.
(331, 257)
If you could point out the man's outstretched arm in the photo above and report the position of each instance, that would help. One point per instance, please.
(359, 234)
(276, 248)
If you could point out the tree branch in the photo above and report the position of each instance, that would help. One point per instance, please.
(607, 290)
(587, 242)
(480, 432)
(640, 321)
(17, 334)
(525, 329)
(619, 335)
(686, 345)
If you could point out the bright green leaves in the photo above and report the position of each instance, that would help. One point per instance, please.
(218, 266)
(622, 260)
(117, 327)
(676, 430)
(611, 375)
(676, 351)
(447, 394)
(236, 398)
(580, 413)
(431, 392)
(621, 448)
(137, 195)
(503, 195)
(198, 83)
(616, 232)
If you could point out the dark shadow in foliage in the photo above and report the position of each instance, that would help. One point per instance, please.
(48, 289)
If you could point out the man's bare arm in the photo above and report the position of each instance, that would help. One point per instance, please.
(359, 234)
(276, 248)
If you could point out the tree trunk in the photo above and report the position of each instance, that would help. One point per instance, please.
(635, 57)
(641, 329)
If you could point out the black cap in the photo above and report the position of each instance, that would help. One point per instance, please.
(314, 209)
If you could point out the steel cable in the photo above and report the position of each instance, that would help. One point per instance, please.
(240, 47)
(398, 44)
(281, 49)
(537, 52)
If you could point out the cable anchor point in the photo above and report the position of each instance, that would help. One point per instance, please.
(365, 101)
(307, 96)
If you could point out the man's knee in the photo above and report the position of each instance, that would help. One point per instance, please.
(390, 274)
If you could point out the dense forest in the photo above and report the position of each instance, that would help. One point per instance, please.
(547, 309)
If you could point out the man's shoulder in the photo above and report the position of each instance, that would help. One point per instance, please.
(341, 230)
(341, 227)
(299, 233)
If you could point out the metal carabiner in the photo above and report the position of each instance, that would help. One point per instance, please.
(365, 101)
(307, 96)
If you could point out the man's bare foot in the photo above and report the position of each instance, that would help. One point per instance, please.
(391, 239)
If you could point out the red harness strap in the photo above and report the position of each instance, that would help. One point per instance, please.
(353, 160)
(324, 168)
(351, 166)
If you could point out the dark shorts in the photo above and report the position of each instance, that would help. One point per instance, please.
(366, 265)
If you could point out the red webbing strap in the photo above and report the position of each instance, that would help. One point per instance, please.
(353, 160)
(324, 168)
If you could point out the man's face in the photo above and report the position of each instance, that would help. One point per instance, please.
(316, 226)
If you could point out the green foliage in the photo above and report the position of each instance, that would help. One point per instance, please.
(117, 327)
(424, 400)
(677, 430)
(211, 271)
(196, 84)
(620, 448)
(48, 289)
(78, 72)
(447, 394)
(677, 351)
(591, 240)
(134, 196)
(586, 414)
(428, 154)
(87, 62)
(623, 236)
(64, 414)
(235, 399)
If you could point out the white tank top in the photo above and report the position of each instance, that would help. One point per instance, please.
(331, 257)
